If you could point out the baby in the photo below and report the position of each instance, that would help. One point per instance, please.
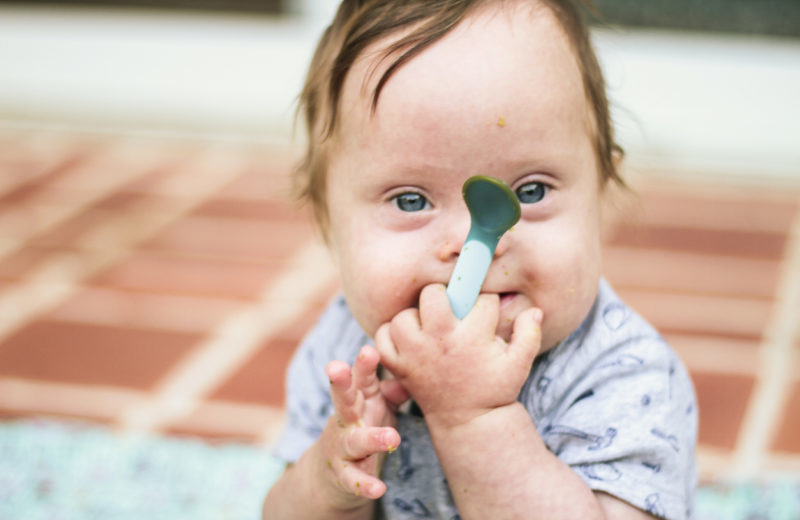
(551, 398)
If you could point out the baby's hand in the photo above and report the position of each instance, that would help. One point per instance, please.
(458, 370)
(361, 429)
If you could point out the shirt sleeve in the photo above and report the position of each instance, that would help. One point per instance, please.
(628, 427)
(616, 404)
(308, 403)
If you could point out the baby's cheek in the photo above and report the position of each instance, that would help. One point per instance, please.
(568, 304)
(381, 296)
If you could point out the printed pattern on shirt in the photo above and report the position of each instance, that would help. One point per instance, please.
(612, 401)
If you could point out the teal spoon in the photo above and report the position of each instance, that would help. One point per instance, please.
(494, 208)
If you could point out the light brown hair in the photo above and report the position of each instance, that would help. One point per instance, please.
(359, 24)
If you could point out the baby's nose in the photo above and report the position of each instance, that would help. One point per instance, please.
(454, 235)
(457, 235)
(450, 250)
(502, 245)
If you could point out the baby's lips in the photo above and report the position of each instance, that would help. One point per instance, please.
(507, 297)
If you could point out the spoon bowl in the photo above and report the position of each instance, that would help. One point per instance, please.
(491, 203)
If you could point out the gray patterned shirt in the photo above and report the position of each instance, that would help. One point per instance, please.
(612, 401)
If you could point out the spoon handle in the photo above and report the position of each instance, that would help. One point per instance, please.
(470, 270)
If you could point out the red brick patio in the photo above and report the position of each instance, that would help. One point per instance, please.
(162, 285)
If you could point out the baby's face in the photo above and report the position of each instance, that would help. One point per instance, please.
(499, 96)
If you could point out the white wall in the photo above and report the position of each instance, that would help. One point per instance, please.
(717, 104)
(681, 101)
(196, 73)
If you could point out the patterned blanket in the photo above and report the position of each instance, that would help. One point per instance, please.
(74, 471)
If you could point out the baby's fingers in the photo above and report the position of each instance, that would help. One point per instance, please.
(356, 481)
(386, 347)
(394, 393)
(526, 337)
(365, 371)
(342, 393)
(360, 443)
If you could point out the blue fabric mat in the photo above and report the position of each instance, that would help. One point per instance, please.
(54, 470)
(74, 471)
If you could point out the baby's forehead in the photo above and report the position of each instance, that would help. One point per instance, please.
(487, 62)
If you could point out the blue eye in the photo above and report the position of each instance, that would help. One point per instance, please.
(532, 192)
(411, 202)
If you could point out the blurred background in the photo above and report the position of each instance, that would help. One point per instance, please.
(155, 276)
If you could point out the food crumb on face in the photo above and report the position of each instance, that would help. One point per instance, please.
(501, 122)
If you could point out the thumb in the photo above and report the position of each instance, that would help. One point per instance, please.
(394, 393)
(526, 338)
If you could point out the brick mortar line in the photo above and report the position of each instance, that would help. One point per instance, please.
(61, 398)
(712, 462)
(101, 402)
(233, 342)
(784, 466)
(59, 277)
(775, 374)
(81, 199)
(261, 423)
(66, 161)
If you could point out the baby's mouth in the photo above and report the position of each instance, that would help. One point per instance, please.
(506, 298)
